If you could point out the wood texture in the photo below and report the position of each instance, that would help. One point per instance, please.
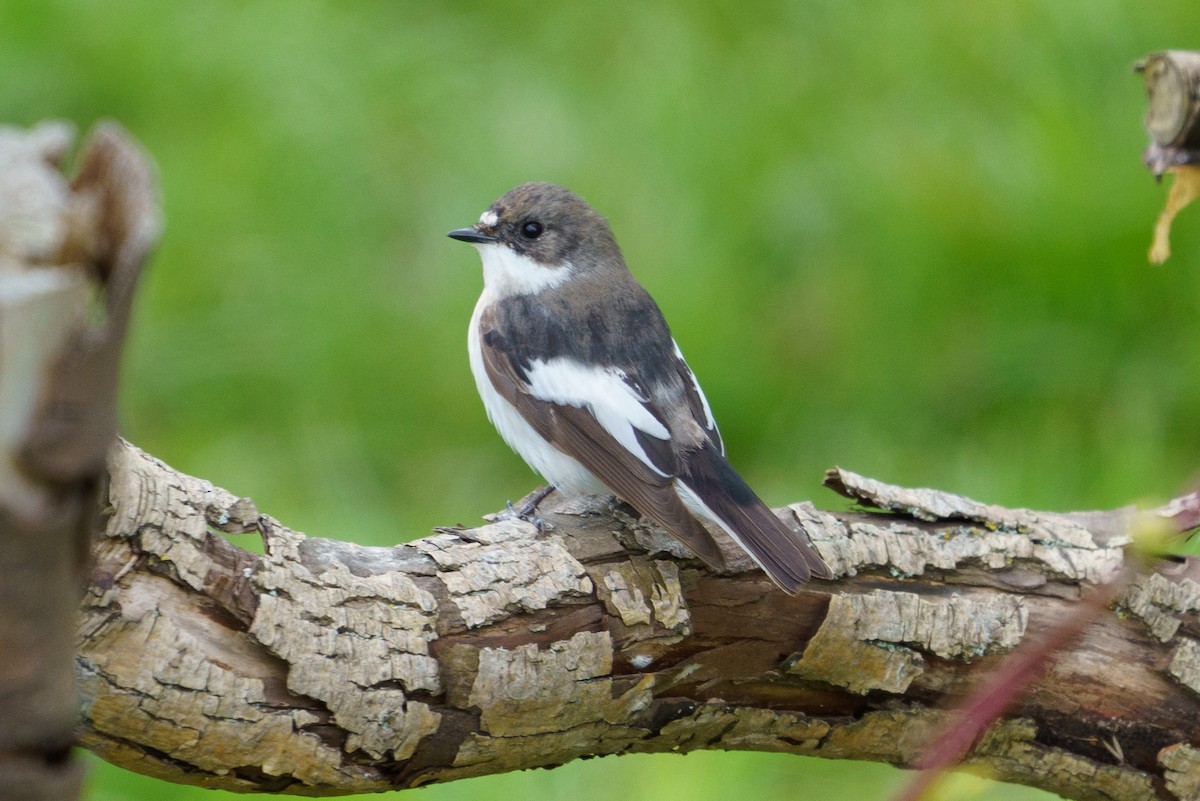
(325, 667)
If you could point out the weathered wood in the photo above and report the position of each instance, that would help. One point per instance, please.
(325, 667)
(1172, 120)
(60, 244)
(1173, 88)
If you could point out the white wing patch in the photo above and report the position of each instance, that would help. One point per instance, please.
(709, 422)
(602, 391)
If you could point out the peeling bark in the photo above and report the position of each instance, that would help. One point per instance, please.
(325, 667)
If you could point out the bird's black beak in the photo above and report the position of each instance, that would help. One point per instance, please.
(473, 235)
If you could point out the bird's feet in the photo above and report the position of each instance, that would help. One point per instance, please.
(526, 511)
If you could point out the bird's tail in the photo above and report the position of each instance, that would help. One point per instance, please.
(716, 494)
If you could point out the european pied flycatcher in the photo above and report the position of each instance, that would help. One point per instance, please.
(580, 375)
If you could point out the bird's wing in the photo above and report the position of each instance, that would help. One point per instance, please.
(603, 419)
(697, 403)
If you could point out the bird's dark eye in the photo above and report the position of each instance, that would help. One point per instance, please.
(531, 229)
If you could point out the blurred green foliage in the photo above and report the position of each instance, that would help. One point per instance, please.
(904, 238)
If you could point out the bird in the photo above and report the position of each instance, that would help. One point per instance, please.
(580, 375)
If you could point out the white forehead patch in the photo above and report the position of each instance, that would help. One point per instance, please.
(488, 218)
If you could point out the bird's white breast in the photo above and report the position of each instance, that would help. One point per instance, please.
(561, 470)
(507, 274)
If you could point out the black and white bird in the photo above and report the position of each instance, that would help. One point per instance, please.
(579, 373)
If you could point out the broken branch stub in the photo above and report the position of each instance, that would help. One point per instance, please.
(1172, 120)
(60, 244)
(1172, 80)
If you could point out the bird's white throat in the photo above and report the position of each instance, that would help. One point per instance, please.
(507, 273)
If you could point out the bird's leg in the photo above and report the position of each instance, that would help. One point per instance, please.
(537, 497)
(526, 512)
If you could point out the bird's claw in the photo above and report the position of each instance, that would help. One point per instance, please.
(526, 515)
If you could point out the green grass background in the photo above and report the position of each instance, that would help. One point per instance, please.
(904, 238)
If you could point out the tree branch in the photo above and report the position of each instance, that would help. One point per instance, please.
(325, 667)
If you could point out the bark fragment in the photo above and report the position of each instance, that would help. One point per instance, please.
(373, 630)
(873, 642)
(934, 505)
(488, 579)
(1161, 602)
(1185, 664)
(1182, 770)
